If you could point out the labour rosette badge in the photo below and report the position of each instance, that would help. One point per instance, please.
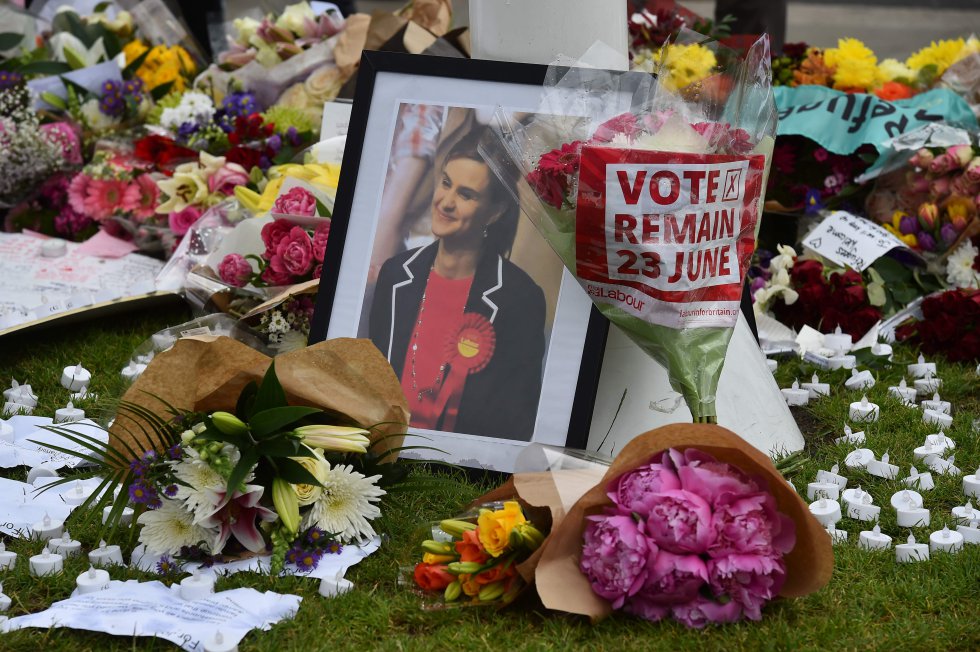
(469, 350)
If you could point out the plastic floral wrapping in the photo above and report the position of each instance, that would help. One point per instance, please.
(655, 210)
(689, 521)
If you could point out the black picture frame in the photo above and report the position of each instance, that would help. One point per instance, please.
(376, 68)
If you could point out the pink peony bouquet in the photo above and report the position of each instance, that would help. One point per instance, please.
(296, 201)
(293, 254)
(688, 537)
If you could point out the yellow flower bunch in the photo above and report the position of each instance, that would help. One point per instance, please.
(684, 64)
(325, 176)
(942, 54)
(855, 65)
(162, 65)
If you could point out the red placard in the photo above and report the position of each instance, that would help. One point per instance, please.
(667, 236)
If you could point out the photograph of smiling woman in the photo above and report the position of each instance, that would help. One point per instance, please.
(460, 323)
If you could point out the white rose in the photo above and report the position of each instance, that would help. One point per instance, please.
(294, 18)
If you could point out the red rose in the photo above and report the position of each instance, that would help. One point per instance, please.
(807, 271)
(433, 577)
(294, 253)
(161, 150)
(547, 187)
(246, 157)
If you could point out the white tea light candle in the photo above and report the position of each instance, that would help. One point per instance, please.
(5, 600)
(905, 498)
(922, 481)
(927, 386)
(859, 458)
(132, 371)
(827, 512)
(971, 532)
(864, 510)
(8, 558)
(838, 341)
(47, 528)
(196, 587)
(934, 418)
(125, 518)
(65, 545)
(946, 540)
(75, 378)
(944, 467)
(817, 490)
(841, 362)
(46, 563)
(903, 392)
(882, 468)
(913, 517)
(881, 350)
(873, 539)
(850, 437)
(860, 380)
(863, 411)
(938, 405)
(106, 555)
(910, 551)
(816, 388)
(971, 484)
(218, 643)
(832, 476)
(92, 580)
(836, 536)
(76, 496)
(966, 512)
(794, 396)
(921, 368)
(68, 414)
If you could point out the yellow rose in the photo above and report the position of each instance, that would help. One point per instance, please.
(324, 83)
(319, 469)
(495, 526)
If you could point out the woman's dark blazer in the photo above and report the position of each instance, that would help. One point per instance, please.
(501, 400)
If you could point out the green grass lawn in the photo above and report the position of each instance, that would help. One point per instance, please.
(871, 602)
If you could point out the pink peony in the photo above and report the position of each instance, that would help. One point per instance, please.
(631, 489)
(679, 521)
(296, 201)
(642, 607)
(273, 233)
(181, 221)
(747, 580)
(235, 270)
(707, 477)
(703, 611)
(750, 524)
(614, 557)
(141, 197)
(226, 178)
(317, 271)
(673, 579)
(320, 237)
(63, 134)
(294, 254)
(272, 277)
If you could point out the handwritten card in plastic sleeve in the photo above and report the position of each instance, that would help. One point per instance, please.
(666, 236)
(850, 240)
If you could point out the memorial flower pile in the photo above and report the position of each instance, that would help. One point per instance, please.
(293, 254)
(688, 537)
(275, 39)
(474, 560)
(950, 325)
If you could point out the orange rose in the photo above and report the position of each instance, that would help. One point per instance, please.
(433, 577)
(470, 586)
(470, 549)
(495, 526)
(496, 574)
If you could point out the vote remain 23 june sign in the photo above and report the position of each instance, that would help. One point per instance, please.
(667, 236)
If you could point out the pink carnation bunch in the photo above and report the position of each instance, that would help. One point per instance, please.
(293, 254)
(688, 537)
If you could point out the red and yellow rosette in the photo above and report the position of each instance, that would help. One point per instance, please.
(469, 350)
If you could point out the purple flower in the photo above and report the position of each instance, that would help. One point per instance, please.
(702, 611)
(142, 493)
(908, 224)
(170, 491)
(315, 536)
(751, 525)
(747, 580)
(672, 579)
(632, 489)
(175, 452)
(137, 467)
(679, 521)
(614, 557)
(274, 142)
(186, 130)
(293, 137)
(948, 234)
(926, 242)
(239, 104)
(167, 566)
(9, 79)
(307, 560)
(812, 202)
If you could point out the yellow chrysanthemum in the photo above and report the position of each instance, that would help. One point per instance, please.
(162, 65)
(855, 65)
(894, 70)
(941, 54)
(684, 64)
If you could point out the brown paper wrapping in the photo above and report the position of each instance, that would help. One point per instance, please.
(348, 378)
(434, 15)
(555, 565)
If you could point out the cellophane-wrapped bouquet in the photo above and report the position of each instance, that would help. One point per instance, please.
(651, 194)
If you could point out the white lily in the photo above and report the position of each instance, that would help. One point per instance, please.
(69, 48)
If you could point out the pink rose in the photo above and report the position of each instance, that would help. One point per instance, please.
(922, 158)
(614, 557)
(703, 611)
(673, 579)
(631, 489)
(294, 254)
(272, 235)
(972, 172)
(180, 221)
(272, 277)
(226, 178)
(234, 270)
(679, 521)
(320, 237)
(702, 474)
(296, 201)
(751, 525)
(747, 580)
(317, 271)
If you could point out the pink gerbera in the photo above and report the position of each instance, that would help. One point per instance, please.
(103, 197)
(77, 190)
(140, 198)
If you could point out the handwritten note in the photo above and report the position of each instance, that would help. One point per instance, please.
(31, 445)
(21, 505)
(153, 609)
(851, 240)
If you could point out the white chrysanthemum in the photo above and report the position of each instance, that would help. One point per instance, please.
(199, 497)
(346, 505)
(167, 529)
(959, 267)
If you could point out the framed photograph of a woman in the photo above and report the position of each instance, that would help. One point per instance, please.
(429, 256)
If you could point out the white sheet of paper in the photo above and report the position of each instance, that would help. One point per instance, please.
(21, 506)
(29, 429)
(336, 119)
(152, 609)
(850, 240)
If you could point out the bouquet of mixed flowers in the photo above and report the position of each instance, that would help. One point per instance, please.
(963, 265)
(809, 178)
(293, 254)
(949, 325)
(161, 67)
(655, 211)
(275, 39)
(272, 477)
(473, 559)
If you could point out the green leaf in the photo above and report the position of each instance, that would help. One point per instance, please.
(284, 447)
(54, 100)
(101, 7)
(249, 457)
(130, 70)
(272, 420)
(322, 210)
(161, 91)
(270, 394)
(10, 40)
(295, 473)
(44, 68)
(245, 400)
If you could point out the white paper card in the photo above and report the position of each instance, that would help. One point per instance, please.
(851, 240)
(336, 119)
(31, 446)
(152, 609)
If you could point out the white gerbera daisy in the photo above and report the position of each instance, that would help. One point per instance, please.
(167, 529)
(959, 267)
(346, 505)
